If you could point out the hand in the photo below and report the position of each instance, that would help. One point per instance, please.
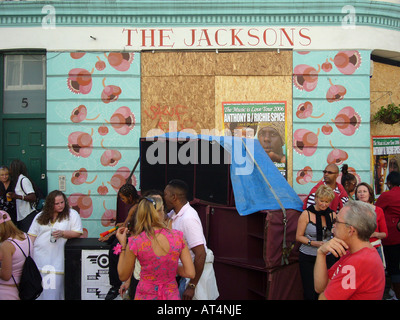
(11, 195)
(58, 234)
(188, 294)
(105, 238)
(122, 235)
(335, 246)
(276, 157)
(124, 287)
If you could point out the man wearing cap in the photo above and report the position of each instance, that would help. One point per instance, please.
(271, 136)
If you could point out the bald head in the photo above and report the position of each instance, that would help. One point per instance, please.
(331, 173)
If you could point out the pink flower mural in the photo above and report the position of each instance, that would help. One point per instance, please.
(305, 77)
(80, 81)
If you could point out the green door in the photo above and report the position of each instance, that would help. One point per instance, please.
(25, 139)
(23, 112)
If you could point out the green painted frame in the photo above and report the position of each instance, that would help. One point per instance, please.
(174, 13)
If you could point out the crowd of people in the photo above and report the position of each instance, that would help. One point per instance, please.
(349, 243)
(157, 252)
(161, 251)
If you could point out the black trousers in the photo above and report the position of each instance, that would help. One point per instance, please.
(113, 263)
(306, 263)
(113, 269)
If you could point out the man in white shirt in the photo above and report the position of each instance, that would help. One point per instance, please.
(186, 219)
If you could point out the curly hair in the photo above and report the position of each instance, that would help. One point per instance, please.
(48, 210)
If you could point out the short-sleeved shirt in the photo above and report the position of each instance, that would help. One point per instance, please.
(49, 255)
(389, 201)
(380, 225)
(357, 276)
(158, 273)
(23, 207)
(187, 220)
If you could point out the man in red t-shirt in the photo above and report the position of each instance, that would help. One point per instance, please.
(359, 273)
(331, 173)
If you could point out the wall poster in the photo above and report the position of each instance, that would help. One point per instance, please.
(264, 120)
(386, 158)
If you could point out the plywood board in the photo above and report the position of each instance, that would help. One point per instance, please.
(254, 63)
(187, 100)
(385, 89)
(179, 63)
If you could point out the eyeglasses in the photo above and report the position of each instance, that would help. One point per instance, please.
(329, 172)
(334, 221)
(152, 201)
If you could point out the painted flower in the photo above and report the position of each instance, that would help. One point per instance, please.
(347, 62)
(305, 77)
(347, 121)
(335, 93)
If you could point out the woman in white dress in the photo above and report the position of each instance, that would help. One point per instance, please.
(49, 231)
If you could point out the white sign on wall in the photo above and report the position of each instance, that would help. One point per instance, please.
(128, 38)
(95, 280)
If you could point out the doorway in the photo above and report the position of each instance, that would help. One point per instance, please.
(25, 139)
(23, 113)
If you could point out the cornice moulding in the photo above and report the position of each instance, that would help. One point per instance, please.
(208, 13)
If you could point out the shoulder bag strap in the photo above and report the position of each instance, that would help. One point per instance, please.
(22, 188)
(29, 252)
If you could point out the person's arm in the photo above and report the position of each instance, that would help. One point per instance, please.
(199, 260)
(31, 197)
(67, 234)
(301, 229)
(379, 235)
(320, 272)
(131, 212)
(75, 227)
(335, 246)
(6, 252)
(127, 258)
(322, 297)
(27, 189)
(186, 270)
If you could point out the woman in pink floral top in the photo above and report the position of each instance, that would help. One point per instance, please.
(158, 250)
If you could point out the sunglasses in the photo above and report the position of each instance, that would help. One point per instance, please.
(329, 172)
(152, 201)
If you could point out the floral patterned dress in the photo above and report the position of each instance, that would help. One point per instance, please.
(158, 273)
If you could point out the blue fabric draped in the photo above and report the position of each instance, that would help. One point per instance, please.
(257, 183)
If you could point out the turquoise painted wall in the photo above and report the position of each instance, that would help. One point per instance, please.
(331, 114)
(93, 129)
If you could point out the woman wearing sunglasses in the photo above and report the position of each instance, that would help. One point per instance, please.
(313, 229)
(158, 250)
